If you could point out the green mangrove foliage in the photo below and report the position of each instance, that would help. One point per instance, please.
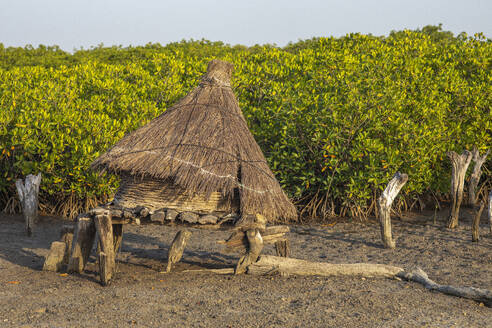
(335, 117)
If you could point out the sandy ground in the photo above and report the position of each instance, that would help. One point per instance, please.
(141, 296)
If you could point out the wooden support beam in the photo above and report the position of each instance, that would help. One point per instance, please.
(28, 195)
(254, 249)
(238, 242)
(489, 211)
(66, 236)
(476, 222)
(83, 240)
(384, 204)
(177, 248)
(459, 164)
(104, 228)
(475, 177)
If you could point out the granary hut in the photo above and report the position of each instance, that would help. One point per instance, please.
(198, 156)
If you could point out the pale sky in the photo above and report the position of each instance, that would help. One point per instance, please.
(72, 24)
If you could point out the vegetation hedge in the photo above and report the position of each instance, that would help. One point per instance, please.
(335, 117)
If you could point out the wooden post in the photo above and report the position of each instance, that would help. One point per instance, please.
(476, 222)
(54, 260)
(83, 239)
(28, 196)
(475, 177)
(384, 203)
(117, 237)
(490, 211)
(255, 246)
(177, 248)
(282, 248)
(104, 228)
(459, 164)
(66, 236)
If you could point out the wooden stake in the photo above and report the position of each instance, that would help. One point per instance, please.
(489, 212)
(459, 164)
(54, 260)
(282, 248)
(385, 202)
(28, 196)
(104, 228)
(66, 236)
(117, 237)
(476, 222)
(83, 239)
(255, 246)
(475, 177)
(177, 248)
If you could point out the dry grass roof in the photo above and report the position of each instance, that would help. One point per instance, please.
(204, 145)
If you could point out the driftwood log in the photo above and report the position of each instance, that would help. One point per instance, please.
(459, 164)
(83, 239)
(476, 222)
(384, 204)
(177, 248)
(477, 294)
(475, 177)
(268, 264)
(28, 195)
(104, 228)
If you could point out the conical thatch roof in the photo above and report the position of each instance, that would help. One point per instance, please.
(203, 144)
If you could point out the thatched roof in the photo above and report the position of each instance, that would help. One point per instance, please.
(203, 144)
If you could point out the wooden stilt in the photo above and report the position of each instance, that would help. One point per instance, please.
(83, 240)
(255, 247)
(177, 248)
(66, 236)
(102, 220)
(54, 260)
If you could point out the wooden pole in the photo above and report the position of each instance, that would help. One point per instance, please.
(28, 196)
(83, 240)
(476, 222)
(255, 246)
(117, 236)
(177, 248)
(66, 236)
(104, 228)
(475, 177)
(489, 212)
(282, 248)
(384, 204)
(54, 260)
(459, 164)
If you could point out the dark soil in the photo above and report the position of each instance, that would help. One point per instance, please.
(142, 296)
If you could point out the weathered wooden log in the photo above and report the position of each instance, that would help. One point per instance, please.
(476, 222)
(208, 219)
(251, 222)
(385, 202)
(282, 248)
(83, 240)
(104, 228)
(54, 260)
(477, 294)
(459, 164)
(117, 237)
(489, 211)
(28, 195)
(189, 217)
(66, 236)
(158, 216)
(268, 264)
(177, 248)
(255, 245)
(475, 177)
